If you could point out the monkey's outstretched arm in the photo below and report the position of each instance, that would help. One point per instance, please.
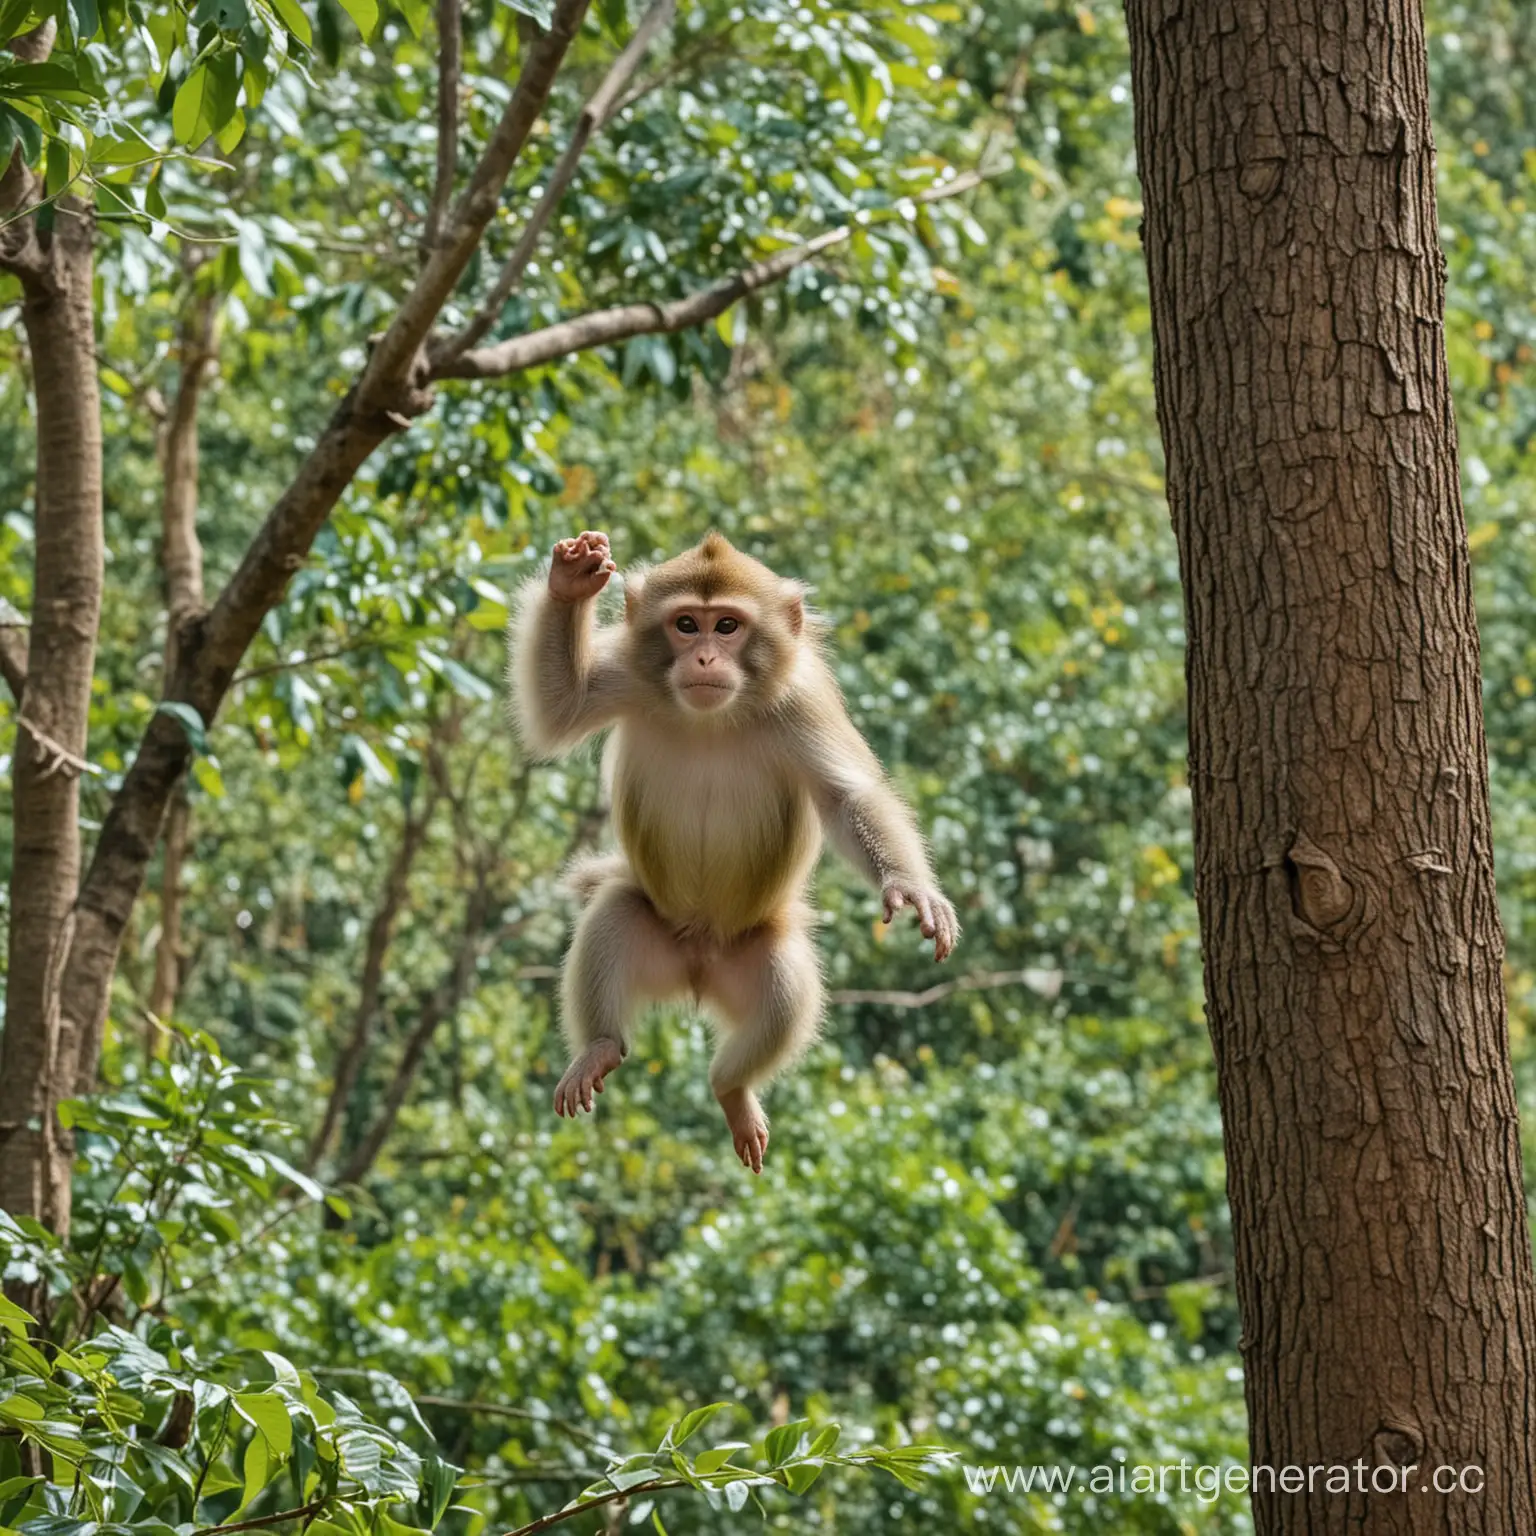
(568, 680)
(869, 823)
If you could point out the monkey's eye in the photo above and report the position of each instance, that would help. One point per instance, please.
(727, 627)
(687, 624)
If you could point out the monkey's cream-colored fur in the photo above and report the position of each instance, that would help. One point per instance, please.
(730, 755)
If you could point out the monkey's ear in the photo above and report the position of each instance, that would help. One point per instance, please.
(634, 585)
(794, 606)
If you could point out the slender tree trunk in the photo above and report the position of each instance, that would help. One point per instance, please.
(381, 932)
(181, 559)
(58, 315)
(1343, 861)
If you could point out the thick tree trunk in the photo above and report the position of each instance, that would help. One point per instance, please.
(50, 742)
(1343, 861)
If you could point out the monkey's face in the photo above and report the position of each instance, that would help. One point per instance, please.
(709, 644)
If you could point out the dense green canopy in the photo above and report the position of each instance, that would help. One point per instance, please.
(993, 1216)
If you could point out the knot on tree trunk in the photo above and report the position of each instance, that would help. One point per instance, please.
(1321, 897)
(392, 405)
(1397, 1444)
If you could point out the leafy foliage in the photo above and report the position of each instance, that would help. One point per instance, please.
(993, 1220)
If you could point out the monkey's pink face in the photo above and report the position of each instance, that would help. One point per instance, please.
(708, 640)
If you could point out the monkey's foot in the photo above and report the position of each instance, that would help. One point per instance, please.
(749, 1125)
(585, 1075)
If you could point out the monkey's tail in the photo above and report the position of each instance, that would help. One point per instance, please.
(586, 874)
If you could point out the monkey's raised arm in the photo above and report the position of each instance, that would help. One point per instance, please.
(568, 676)
(867, 821)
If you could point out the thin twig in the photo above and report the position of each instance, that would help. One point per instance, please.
(303, 1512)
(701, 49)
(598, 110)
(560, 1516)
(1046, 983)
(449, 50)
(604, 327)
(310, 658)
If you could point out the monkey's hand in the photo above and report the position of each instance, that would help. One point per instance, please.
(580, 568)
(935, 916)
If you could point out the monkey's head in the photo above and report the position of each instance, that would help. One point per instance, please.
(715, 630)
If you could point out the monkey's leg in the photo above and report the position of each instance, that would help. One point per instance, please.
(768, 993)
(622, 957)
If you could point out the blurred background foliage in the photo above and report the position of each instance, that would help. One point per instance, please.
(993, 1216)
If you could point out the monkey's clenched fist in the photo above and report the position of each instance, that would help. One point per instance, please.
(580, 568)
(732, 756)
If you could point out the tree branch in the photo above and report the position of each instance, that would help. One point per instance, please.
(438, 1005)
(1045, 983)
(395, 357)
(181, 563)
(380, 402)
(598, 110)
(449, 47)
(13, 650)
(349, 1059)
(281, 1517)
(604, 327)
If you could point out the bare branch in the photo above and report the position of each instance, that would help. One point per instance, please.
(349, 1059)
(181, 551)
(695, 54)
(598, 110)
(450, 43)
(604, 327)
(1045, 983)
(13, 649)
(181, 567)
(440, 1004)
(393, 360)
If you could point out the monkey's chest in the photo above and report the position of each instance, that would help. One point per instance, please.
(715, 845)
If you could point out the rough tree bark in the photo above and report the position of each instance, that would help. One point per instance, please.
(56, 270)
(1337, 761)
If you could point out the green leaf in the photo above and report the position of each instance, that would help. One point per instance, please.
(691, 1423)
(826, 1441)
(188, 718)
(365, 13)
(716, 1457)
(801, 1474)
(14, 18)
(208, 777)
(57, 177)
(292, 1174)
(292, 16)
(782, 1442)
(190, 117)
(542, 11)
(268, 1413)
(232, 132)
(257, 1468)
(15, 1320)
(87, 19)
(17, 128)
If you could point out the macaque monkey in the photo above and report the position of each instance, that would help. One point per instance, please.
(731, 756)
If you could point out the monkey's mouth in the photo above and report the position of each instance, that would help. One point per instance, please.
(707, 695)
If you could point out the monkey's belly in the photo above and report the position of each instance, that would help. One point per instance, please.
(719, 868)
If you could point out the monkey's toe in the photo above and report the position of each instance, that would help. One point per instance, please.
(584, 1077)
(748, 1126)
